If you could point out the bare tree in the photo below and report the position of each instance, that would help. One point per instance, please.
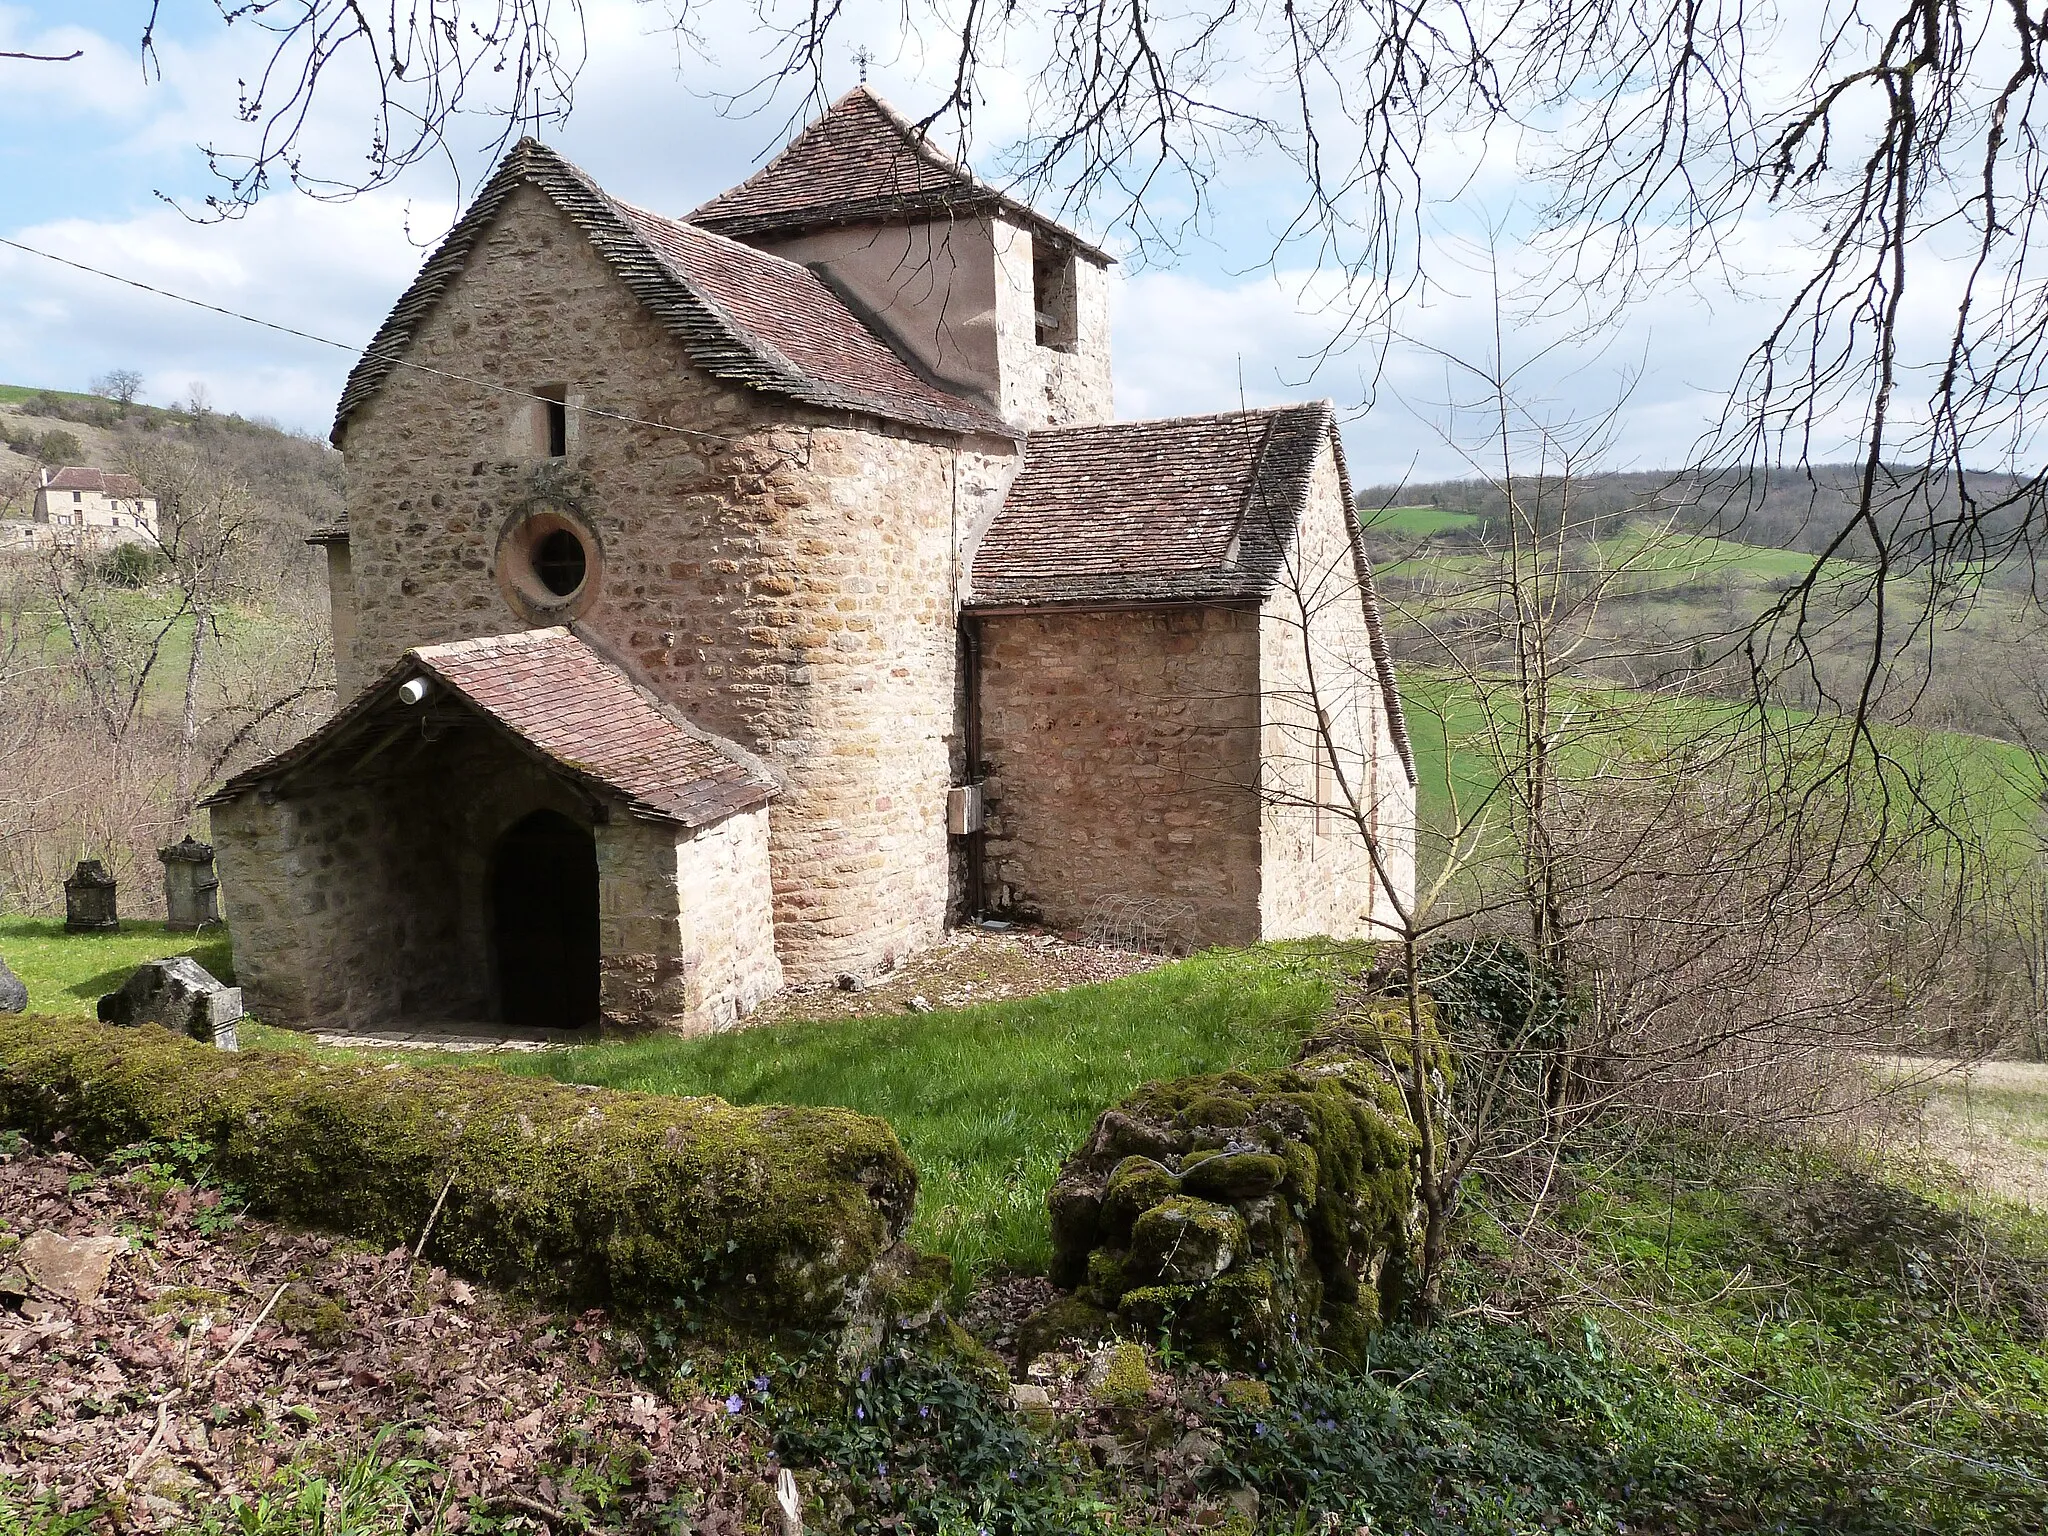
(123, 386)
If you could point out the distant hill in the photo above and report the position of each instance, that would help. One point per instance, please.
(295, 475)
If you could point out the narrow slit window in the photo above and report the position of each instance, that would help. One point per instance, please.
(554, 407)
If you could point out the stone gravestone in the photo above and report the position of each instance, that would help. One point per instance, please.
(191, 888)
(13, 995)
(89, 899)
(178, 994)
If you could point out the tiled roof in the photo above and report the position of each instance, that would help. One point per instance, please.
(105, 481)
(563, 701)
(861, 163)
(1188, 509)
(741, 315)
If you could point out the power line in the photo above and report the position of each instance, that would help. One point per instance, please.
(342, 346)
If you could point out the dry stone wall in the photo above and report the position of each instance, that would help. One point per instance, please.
(1123, 764)
(784, 577)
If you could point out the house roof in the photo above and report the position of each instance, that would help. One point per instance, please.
(741, 315)
(563, 701)
(862, 163)
(76, 478)
(1191, 509)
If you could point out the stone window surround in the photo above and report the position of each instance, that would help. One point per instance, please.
(520, 583)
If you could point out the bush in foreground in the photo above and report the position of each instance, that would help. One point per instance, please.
(763, 1216)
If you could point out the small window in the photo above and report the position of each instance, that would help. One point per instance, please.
(76, 497)
(554, 407)
(559, 562)
(1053, 297)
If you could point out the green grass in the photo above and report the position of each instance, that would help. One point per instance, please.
(1416, 522)
(14, 394)
(990, 1100)
(66, 973)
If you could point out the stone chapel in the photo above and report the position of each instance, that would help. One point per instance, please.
(736, 600)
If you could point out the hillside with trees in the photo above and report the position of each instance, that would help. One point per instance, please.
(132, 676)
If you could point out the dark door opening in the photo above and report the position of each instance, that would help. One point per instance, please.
(544, 919)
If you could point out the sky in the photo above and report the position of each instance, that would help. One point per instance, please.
(100, 161)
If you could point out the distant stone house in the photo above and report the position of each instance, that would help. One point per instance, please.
(94, 506)
(736, 600)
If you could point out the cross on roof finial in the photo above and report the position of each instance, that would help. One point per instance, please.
(863, 58)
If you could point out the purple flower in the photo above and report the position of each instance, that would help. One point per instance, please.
(735, 1403)
(760, 1383)
(863, 1373)
(859, 1412)
(924, 1412)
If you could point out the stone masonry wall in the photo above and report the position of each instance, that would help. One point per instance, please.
(783, 577)
(686, 922)
(1317, 876)
(1047, 386)
(1123, 763)
(368, 904)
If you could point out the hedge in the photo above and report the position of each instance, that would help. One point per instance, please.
(761, 1216)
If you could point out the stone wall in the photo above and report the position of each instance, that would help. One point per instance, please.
(686, 922)
(958, 297)
(1317, 875)
(1122, 750)
(1047, 386)
(368, 904)
(784, 577)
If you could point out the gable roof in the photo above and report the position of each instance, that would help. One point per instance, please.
(563, 702)
(741, 315)
(1190, 509)
(106, 481)
(862, 163)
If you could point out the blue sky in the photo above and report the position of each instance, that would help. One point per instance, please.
(87, 148)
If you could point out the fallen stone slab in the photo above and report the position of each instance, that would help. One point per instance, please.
(75, 1268)
(13, 993)
(179, 994)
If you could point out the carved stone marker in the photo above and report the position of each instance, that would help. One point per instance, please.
(178, 994)
(89, 899)
(191, 888)
(13, 995)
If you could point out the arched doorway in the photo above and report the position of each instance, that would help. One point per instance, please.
(544, 922)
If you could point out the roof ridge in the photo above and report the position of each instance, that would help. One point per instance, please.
(1324, 404)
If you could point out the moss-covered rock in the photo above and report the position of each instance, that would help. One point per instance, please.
(1067, 1321)
(1185, 1241)
(1126, 1381)
(1236, 1175)
(758, 1216)
(1255, 1214)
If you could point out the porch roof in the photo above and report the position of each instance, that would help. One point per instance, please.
(560, 699)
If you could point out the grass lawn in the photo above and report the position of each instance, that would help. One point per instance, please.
(1415, 523)
(67, 972)
(990, 1100)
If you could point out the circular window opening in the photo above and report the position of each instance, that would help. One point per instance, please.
(559, 562)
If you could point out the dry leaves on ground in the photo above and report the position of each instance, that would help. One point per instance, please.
(222, 1358)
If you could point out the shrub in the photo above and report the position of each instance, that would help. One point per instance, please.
(57, 446)
(763, 1216)
(132, 565)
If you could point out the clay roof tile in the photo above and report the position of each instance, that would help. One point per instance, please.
(567, 704)
(863, 163)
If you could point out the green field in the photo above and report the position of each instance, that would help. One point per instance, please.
(14, 394)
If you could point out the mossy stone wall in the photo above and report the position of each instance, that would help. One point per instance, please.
(766, 1216)
(1253, 1215)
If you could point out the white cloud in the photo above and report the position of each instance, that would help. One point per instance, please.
(330, 270)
